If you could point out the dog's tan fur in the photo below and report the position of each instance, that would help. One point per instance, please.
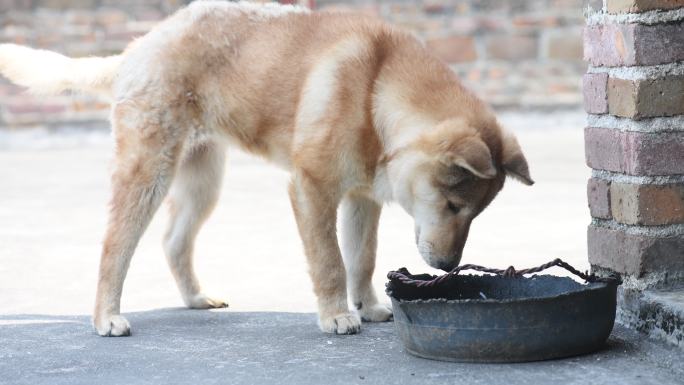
(359, 112)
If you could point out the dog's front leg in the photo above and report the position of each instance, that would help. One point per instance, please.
(360, 217)
(315, 208)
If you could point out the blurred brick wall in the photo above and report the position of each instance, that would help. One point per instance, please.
(514, 53)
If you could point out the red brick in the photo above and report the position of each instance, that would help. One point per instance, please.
(646, 98)
(659, 43)
(634, 44)
(463, 25)
(634, 254)
(66, 4)
(489, 23)
(566, 45)
(625, 6)
(635, 153)
(36, 108)
(610, 45)
(8, 89)
(598, 195)
(111, 17)
(635, 204)
(595, 97)
(535, 21)
(435, 7)
(15, 5)
(512, 47)
(492, 6)
(453, 49)
(622, 99)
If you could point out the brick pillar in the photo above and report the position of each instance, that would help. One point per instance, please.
(634, 95)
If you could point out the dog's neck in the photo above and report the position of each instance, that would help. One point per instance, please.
(397, 125)
(396, 122)
(393, 175)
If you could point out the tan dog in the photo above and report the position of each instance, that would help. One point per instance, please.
(359, 112)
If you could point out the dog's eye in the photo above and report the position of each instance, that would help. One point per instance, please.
(453, 208)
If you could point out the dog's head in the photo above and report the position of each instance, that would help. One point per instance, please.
(447, 176)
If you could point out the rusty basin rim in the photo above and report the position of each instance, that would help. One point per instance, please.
(582, 289)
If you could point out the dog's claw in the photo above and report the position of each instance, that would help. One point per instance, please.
(203, 301)
(113, 326)
(345, 323)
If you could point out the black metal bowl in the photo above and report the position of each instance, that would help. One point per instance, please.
(498, 318)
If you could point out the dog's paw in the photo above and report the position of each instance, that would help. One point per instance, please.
(376, 313)
(112, 326)
(345, 323)
(202, 301)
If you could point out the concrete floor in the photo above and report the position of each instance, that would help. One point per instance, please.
(52, 216)
(180, 346)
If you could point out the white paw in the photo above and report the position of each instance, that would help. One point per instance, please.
(112, 326)
(376, 313)
(202, 301)
(345, 323)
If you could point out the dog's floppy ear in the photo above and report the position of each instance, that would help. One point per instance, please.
(455, 143)
(472, 154)
(513, 160)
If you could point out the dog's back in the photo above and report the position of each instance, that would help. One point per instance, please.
(255, 72)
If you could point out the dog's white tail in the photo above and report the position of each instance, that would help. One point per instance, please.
(46, 72)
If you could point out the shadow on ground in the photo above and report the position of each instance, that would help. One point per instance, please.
(170, 346)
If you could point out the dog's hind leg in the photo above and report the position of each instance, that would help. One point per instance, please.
(148, 145)
(360, 217)
(193, 195)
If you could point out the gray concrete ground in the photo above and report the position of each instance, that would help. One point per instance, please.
(52, 216)
(179, 346)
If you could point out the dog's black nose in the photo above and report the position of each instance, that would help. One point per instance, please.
(446, 266)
